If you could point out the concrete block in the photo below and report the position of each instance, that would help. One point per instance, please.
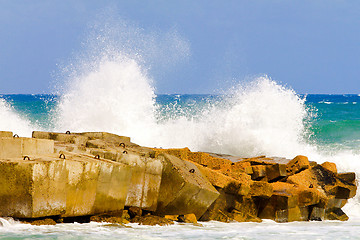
(329, 166)
(242, 166)
(61, 137)
(6, 134)
(48, 187)
(112, 187)
(76, 186)
(298, 164)
(95, 186)
(218, 179)
(108, 137)
(347, 177)
(335, 214)
(35, 147)
(261, 189)
(277, 202)
(218, 210)
(275, 172)
(317, 214)
(145, 180)
(292, 214)
(31, 189)
(19, 147)
(10, 148)
(336, 202)
(259, 172)
(184, 189)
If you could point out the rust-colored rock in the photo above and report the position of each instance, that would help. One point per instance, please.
(275, 172)
(172, 217)
(229, 207)
(259, 172)
(46, 221)
(298, 164)
(187, 218)
(109, 219)
(335, 214)
(134, 211)
(152, 220)
(347, 177)
(261, 189)
(329, 166)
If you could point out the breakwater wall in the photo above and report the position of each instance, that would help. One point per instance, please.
(103, 175)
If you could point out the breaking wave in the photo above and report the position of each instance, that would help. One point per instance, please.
(10, 120)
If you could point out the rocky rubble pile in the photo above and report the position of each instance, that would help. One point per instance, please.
(280, 189)
(105, 177)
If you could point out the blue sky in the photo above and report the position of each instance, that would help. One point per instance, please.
(312, 46)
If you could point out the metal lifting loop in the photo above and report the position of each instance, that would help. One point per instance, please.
(67, 132)
(192, 170)
(62, 156)
(97, 157)
(125, 152)
(16, 136)
(122, 145)
(26, 158)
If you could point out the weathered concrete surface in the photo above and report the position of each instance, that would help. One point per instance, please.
(75, 186)
(228, 207)
(95, 186)
(6, 134)
(107, 137)
(31, 189)
(145, 181)
(15, 147)
(61, 137)
(184, 189)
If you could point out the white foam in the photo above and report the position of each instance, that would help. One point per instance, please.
(10, 120)
(117, 97)
(210, 230)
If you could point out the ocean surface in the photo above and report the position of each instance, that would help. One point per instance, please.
(256, 118)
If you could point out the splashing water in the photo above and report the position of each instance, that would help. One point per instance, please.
(116, 97)
(10, 120)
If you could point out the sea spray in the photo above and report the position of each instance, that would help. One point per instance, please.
(258, 118)
(117, 97)
(10, 120)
